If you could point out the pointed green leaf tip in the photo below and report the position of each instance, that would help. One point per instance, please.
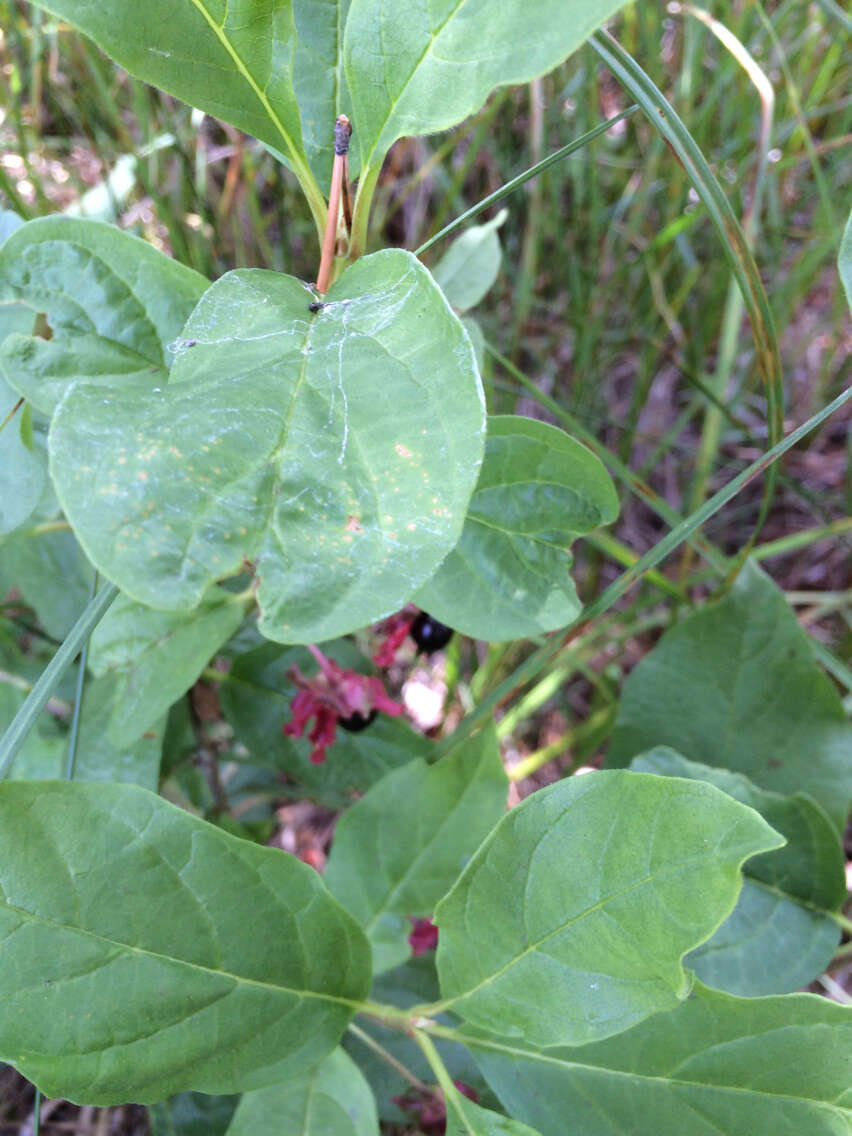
(336, 451)
(571, 921)
(146, 952)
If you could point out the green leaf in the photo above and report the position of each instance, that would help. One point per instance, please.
(477, 1121)
(147, 952)
(136, 761)
(402, 846)
(716, 1064)
(780, 936)
(113, 305)
(469, 267)
(319, 80)
(235, 61)
(52, 575)
(332, 1099)
(9, 221)
(571, 921)
(192, 1114)
(156, 656)
(844, 260)
(23, 469)
(419, 69)
(256, 697)
(735, 684)
(338, 450)
(507, 578)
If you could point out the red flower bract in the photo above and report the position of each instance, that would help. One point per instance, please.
(332, 695)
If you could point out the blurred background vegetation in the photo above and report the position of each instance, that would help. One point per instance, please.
(613, 307)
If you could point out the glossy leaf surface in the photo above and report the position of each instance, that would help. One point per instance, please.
(337, 451)
(113, 898)
(403, 845)
(256, 700)
(716, 1064)
(332, 1099)
(780, 936)
(736, 685)
(469, 267)
(508, 577)
(571, 921)
(155, 656)
(425, 67)
(113, 304)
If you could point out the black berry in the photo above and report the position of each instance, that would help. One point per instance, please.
(356, 722)
(429, 634)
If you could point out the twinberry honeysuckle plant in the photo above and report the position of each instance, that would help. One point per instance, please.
(261, 464)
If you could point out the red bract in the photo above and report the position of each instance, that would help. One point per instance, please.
(395, 631)
(331, 696)
(428, 1107)
(423, 937)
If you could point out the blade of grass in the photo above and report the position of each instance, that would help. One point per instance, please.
(735, 246)
(540, 658)
(521, 179)
(48, 680)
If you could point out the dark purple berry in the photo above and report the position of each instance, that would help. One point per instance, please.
(429, 634)
(356, 722)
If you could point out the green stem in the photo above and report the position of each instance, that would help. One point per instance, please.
(387, 1057)
(451, 1093)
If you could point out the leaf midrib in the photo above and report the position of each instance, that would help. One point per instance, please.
(661, 1079)
(535, 947)
(219, 32)
(351, 1003)
(393, 103)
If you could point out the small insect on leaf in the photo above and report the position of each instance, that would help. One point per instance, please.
(316, 306)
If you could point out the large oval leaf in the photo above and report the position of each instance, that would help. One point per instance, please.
(735, 684)
(716, 1064)
(781, 934)
(147, 952)
(508, 577)
(337, 450)
(415, 69)
(402, 846)
(571, 920)
(332, 1099)
(113, 304)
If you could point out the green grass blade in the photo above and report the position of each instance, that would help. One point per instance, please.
(659, 111)
(539, 659)
(25, 719)
(518, 181)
